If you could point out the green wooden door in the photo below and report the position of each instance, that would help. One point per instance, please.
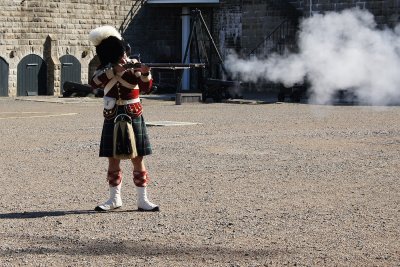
(4, 71)
(32, 76)
(70, 70)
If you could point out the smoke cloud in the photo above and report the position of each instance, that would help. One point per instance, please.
(337, 51)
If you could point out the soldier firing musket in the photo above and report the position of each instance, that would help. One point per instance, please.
(124, 134)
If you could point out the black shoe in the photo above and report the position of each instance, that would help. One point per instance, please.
(152, 210)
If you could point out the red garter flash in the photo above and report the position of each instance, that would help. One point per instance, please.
(114, 178)
(140, 179)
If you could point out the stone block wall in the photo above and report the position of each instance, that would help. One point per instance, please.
(386, 12)
(53, 28)
(25, 25)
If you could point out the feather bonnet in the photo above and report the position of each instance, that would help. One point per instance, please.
(97, 35)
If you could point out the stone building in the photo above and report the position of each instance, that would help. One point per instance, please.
(44, 43)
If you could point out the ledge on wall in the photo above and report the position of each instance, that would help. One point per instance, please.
(182, 2)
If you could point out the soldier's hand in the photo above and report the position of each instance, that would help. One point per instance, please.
(144, 69)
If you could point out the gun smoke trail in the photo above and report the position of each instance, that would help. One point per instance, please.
(336, 51)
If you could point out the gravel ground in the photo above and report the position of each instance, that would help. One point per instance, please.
(249, 185)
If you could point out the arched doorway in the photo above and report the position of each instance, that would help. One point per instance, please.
(31, 76)
(70, 70)
(93, 65)
(4, 71)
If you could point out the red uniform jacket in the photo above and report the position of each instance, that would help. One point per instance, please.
(125, 85)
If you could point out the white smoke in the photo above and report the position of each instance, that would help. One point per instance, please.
(337, 51)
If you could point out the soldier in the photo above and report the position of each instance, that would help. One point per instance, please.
(121, 87)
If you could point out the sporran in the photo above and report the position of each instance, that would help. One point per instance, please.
(124, 143)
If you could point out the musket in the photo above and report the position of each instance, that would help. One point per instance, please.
(168, 66)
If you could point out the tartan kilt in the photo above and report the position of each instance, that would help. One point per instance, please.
(139, 128)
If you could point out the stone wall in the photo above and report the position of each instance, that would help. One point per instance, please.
(53, 28)
(25, 25)
(386, 12)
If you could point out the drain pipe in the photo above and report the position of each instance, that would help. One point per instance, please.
(185, 40)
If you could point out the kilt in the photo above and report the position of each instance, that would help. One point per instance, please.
(139, 128)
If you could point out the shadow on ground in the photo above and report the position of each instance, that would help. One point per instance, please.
(140, 248)
(42, 214)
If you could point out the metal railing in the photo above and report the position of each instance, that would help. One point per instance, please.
(283, 36)
(132, 12)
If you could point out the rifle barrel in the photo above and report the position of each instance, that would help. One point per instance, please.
(170, 66)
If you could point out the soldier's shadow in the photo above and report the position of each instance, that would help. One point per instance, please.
(56, 213)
